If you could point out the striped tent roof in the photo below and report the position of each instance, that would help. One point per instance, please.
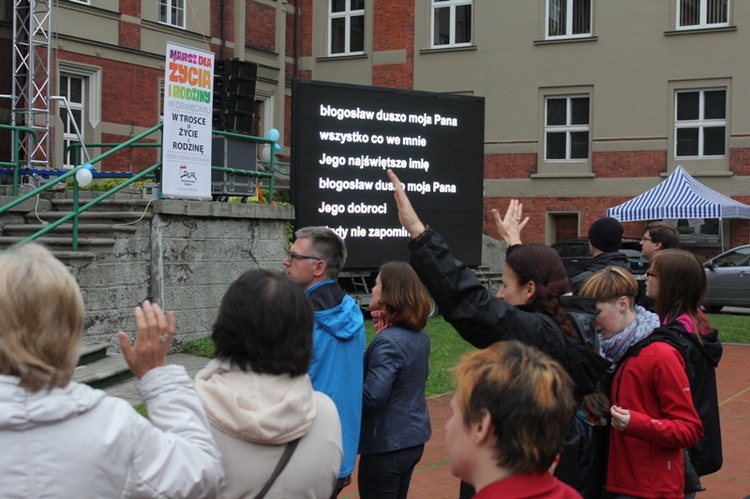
(679, 196)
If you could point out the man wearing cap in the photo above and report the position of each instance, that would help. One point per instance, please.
(605, 237)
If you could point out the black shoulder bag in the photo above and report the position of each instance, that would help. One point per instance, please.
(285, 457)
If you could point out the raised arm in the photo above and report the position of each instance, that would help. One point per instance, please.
(406, 214)
(174, 454)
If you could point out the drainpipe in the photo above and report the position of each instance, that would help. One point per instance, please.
(221, 28)
(297, 8)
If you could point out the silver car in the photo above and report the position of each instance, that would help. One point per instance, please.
(728, 279)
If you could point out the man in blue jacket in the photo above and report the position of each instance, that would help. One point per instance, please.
(314, 262)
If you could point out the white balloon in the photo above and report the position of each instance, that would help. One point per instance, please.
(84, 177)
(265, 153)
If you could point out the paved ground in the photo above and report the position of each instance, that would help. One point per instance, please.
(433, 480)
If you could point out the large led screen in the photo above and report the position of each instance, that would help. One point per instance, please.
(344, 139)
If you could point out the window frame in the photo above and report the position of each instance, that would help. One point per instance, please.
(451, 5)
(92, 116)
(702, 24)
(701, 123)
(568, 128)
(68, 134)
(347, 14)
(170, 6)
(569, 16)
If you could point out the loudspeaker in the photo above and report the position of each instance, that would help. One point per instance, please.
(236, 154)
(234, 92)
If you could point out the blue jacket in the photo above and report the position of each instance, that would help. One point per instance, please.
(394, 414)
(336, 367)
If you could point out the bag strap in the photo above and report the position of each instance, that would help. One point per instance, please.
(285, 457)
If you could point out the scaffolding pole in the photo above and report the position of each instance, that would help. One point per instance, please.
(32, 21)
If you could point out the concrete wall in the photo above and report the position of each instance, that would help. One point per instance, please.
(183, 258)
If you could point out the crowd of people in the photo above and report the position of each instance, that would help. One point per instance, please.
(582, 387)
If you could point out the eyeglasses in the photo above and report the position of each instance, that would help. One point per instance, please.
(297, 256)
(650, 273)
(644, 238)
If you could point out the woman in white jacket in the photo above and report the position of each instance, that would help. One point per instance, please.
(258, 395)
(64, 439)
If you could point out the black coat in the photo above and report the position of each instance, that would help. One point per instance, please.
(597, 263)
(482, 319)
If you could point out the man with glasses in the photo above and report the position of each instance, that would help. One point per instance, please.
(314, 262)
(657, 236)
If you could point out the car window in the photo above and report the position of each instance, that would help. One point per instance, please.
(579, 250)
(738, 258)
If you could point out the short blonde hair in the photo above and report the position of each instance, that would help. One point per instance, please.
(528, 396)
(609, 284)
(41, 318)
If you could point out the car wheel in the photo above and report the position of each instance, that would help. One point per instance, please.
(433, 309)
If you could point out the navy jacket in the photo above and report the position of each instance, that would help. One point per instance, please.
(394, 408)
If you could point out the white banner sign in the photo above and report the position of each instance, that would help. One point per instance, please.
(188, 108)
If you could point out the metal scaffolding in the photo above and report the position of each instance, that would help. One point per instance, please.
(32, 21)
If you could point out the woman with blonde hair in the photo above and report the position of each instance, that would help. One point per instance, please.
(395, 421)
(64, 439)
(652, 412)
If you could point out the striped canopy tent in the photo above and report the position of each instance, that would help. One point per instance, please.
(680, 196)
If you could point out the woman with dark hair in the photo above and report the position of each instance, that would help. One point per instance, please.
(259, 398)
(677, 282)
(395, 421)
(530, 307)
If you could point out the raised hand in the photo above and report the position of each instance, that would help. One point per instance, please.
(509, 228)
(406, 214)
(154, 332)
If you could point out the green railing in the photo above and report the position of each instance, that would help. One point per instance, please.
(16, 150)
(133, 142)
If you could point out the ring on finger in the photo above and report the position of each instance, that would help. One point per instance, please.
(163, 337)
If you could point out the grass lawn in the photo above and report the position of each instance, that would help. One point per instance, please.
(448, 346)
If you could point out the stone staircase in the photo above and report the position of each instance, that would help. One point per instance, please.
(98, 230)
(100, 369)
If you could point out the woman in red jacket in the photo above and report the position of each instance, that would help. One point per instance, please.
(677, 283)
(653, 418)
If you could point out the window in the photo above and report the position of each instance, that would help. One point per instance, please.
(566, 128)
(693, 14)
(82, 1)
(347, 27)
(73, 88)
(451, 23)
(700, 123)
(568, 18)
(172, 12)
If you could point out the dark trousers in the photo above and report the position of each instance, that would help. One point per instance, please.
(387, 475)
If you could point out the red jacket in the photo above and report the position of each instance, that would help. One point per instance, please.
(646, 459)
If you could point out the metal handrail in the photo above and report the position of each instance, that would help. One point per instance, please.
(76, 211)
(16, 150)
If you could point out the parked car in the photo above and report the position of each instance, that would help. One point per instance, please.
(575, 255)
(728, 279)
